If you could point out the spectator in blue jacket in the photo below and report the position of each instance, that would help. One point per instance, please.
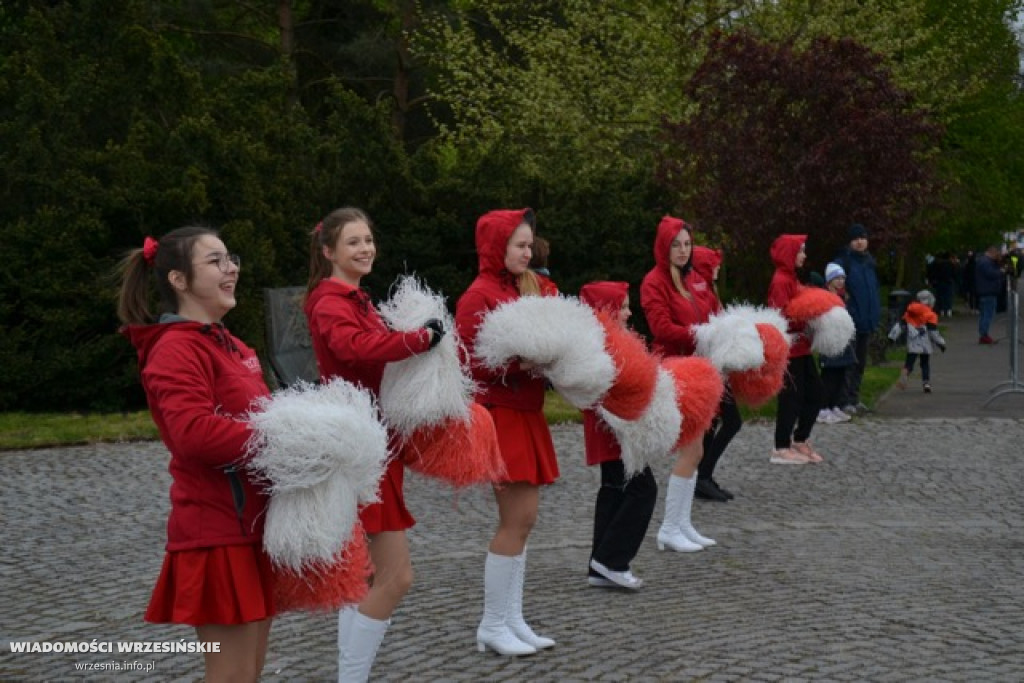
(988, 283)
(864, 303)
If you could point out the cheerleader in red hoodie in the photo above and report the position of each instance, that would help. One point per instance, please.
(675, 299)
(801, 395)
(624, 506)
(706, 263)
(514, 396)
(351, 341)
(200, 381)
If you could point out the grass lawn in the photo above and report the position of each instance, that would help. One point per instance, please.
(39, 430)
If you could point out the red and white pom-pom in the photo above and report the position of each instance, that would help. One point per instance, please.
(830, 326)
(636, 370)
(307, 528)
(460, 452)
(655, 433)
(758, 386)
(699, 390)
(429, 388)
(560, 335)
(308, 434)
(330, 586)
(730, 340)
(809, 303)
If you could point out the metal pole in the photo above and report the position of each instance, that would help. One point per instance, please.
(1015, 386)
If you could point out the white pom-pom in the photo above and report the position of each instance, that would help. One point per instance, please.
(307, 434)
(310, 526)
(764, 314)
(428, 388)
(730, 341)
(655, 433)
(831, 331)
(560, 335)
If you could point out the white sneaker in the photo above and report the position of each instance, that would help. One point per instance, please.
(624, 579)
(840, 416)
(825, 416)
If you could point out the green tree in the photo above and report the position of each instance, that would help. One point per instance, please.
(806, 141)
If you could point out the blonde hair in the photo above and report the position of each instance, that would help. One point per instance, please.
(528, 284)
(677, 280)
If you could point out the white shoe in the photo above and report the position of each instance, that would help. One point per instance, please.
(677, 532)
(601, 582)
(825, 416)
(673, 539)
(356, 657)
(494, 631)
(840, 415)
(624, 579)
(515, 620)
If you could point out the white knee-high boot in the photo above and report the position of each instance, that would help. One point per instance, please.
(671, 535)
(494, 631)
(685, 523)
(355, 658)
(345, 615)
(516, 621)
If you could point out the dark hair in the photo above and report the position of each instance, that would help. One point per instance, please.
(326, 234)
(541, 252)
(173, 252)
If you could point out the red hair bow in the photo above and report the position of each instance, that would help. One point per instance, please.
(149, 247)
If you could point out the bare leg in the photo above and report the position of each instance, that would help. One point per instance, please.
(392, 576)
(243, 648)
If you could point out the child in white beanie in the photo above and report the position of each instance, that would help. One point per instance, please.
(834, 368)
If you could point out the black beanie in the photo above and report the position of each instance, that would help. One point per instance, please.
(857, 231)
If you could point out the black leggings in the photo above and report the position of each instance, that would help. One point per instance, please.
(726, 425)
(926, 365)
(799, 402)
(621, 515)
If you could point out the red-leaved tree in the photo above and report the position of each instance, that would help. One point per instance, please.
(783, 140)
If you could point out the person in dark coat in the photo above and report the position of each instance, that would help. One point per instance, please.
(989, 280)
(863, 302)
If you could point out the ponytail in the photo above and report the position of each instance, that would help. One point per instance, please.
(326, 234)
(155, 260)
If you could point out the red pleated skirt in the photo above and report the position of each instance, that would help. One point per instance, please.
(390, 514)
(223, 585)
(526, 446)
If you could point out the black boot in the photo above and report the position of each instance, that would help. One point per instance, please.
(707, 490)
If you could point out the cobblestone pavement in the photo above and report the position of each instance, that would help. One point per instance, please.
(898, 559)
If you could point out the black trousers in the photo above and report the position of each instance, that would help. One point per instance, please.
(861, 343)
(621, 515)
(726, 425)
(799, 402)
(834, 382)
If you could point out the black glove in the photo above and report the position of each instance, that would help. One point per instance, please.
(437, 327)
(942, 347)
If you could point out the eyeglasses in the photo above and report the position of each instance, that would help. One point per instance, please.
(224, 261)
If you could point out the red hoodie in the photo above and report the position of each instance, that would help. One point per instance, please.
(200, 381)
(785, 286)
(704, 261)
(510, 387)
(670, 315)
(350, 340)
(599, 443)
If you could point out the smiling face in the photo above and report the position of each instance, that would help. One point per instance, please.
(680, 249)
(211, 293)
(352, 256)
(519, 250)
